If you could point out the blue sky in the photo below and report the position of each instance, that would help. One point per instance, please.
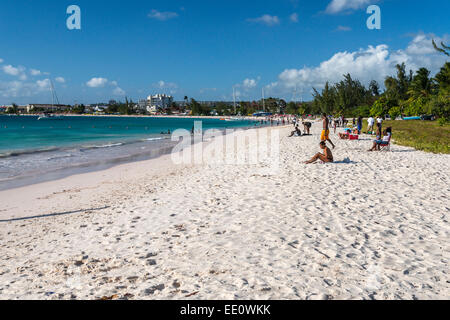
(203, 48)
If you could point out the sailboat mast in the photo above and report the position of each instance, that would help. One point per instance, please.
(54, 96)
(264, 103)
(234, 100)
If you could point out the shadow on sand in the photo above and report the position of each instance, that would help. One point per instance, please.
(345, 161)
(53, 215)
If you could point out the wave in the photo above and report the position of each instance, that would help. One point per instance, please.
(25, 152)
(75, 148)
(60, 157)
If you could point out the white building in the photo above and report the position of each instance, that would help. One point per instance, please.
(159, 102)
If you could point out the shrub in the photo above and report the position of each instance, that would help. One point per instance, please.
(442, 121)
(394, 112)
(381, 107)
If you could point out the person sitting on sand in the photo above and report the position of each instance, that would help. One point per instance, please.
(325, 157)
(296, 131)
(346, 135)
(381, 142)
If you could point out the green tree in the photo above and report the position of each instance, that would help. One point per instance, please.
(445, 50)
(292, 108)
(422, 85)
(325, 101)
(14, 109)
(374, 88)
(349, 94)
(442, 79)
(381, 107)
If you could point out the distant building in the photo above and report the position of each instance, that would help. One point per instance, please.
(159, 101)
(142, 105)
(47, 107)
(100, 108)
(154, 103)
(112, 102)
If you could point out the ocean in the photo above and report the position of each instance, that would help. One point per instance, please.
(33, 150)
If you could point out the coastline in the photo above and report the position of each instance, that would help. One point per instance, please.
(46, 163)
(370, 226)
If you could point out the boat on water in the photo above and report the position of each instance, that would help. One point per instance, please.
(50, 117)
(46, 115)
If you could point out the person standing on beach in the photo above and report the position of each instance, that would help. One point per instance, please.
(370, 124)
(380, 123)
(307, 127)
(359, 124)
(326, 130)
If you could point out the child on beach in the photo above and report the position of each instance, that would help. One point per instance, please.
(325, 157)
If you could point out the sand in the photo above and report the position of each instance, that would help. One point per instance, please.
(370, 226)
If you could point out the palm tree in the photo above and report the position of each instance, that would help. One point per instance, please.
(445, 50)
(443, 78)
(422, 84)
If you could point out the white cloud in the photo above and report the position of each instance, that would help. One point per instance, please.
(60, 80)
(294, 17)
(371, 63)
(9, 69)
(118, 92)
(250, 83)
(343, 28)
(13, 71)
(162, 16)
(97, 82)
(100, 82)
(1, 60)
(35, 72)
(43, 84)
(20, 89)
(337, 6)
(165, 85)
(266, 19)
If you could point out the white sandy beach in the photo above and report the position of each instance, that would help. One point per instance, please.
(374, 226)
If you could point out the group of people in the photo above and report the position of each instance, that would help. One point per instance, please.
(327, 155)
(383, 137)
(306, 128)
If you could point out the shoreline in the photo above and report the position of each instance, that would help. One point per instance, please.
(253, 118)
(133, 150)
(374, 226)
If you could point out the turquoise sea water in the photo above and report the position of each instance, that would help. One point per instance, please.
(26, 133)
(33, 149)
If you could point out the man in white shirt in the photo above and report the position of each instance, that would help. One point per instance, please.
(379, 124)
(370, 123)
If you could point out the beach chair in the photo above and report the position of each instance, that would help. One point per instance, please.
(387, 145)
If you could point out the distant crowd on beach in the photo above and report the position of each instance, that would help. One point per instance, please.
(375, 126)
